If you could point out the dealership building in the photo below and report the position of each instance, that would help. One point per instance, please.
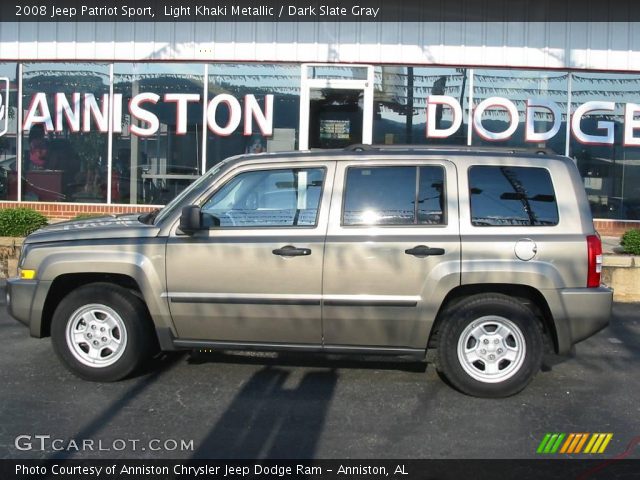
(121, 116)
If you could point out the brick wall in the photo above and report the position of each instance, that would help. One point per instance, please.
(614, 228)
(66, 211)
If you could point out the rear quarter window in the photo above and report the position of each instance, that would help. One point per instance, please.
(512, 196)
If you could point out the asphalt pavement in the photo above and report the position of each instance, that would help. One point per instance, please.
(241, 405)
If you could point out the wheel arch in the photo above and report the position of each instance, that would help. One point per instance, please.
(64, 284)
(526, 294)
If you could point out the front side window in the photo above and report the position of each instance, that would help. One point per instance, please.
(269, 198)
(507, 196)
(406, 195)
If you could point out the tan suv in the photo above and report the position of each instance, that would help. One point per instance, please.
(484, 255)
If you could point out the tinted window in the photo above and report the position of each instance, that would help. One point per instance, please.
(503, 196)
(268, 198)
(387, 196)
(431, 196)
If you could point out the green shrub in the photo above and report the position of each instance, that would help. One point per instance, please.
(631, 241)
(20, 222)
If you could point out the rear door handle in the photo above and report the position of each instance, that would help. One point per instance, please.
(424, 251)
(291, 251)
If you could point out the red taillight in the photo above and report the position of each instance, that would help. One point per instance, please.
(594, 252)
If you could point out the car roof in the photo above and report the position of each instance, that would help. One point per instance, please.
(369, 152)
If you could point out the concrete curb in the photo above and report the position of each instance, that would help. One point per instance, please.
(622, 273)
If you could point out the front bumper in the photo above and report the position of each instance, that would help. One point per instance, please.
(20, 294)
(25, 302)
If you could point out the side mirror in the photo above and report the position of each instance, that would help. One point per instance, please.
(191, 219)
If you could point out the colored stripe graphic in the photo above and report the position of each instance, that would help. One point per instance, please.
(567, 443)
(605, 443)
(550, 443)
(543, 443)
(581, 443)
(598, 442)
(592, 441)
(556, 445)
(574, 443)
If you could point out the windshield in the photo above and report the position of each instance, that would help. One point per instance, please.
(176, 202)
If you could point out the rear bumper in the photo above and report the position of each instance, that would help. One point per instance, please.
(588, 310)
(25, 302)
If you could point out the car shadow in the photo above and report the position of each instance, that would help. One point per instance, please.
(313, 360)
(141, 383)
(269, 419)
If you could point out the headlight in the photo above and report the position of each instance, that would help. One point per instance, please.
(23, 254)
(25, 273)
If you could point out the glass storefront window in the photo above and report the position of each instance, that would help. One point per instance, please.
(539, 98)
(158, 111)
(332, 72)
(400, 105)
(157, 130)
(242, 100)
(602, 142)
(8, 131)
(64, 146)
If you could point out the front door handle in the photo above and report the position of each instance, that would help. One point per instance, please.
(424, 251)
(291, 251)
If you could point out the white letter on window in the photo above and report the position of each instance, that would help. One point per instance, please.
(72, 113)
(495, 102)
(144, 115)
(432, 106)
(589, 107)
(100, 114)
(631, 124)
(264, 120)
(181, 100)
(38, 103)
(235, 113)
(530, 135)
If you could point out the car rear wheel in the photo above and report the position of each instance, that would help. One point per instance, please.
(102, 332)
(489, 345)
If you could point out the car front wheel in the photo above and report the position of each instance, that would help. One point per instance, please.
(102, 332)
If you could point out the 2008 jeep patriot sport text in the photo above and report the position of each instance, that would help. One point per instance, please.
(480, 254)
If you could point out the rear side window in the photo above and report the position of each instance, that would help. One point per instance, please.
(506, 196)
(404, 195)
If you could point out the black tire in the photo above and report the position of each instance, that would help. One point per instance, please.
(473, 376)
(135, 329)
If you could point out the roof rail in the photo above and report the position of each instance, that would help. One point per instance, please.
(461, 148)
